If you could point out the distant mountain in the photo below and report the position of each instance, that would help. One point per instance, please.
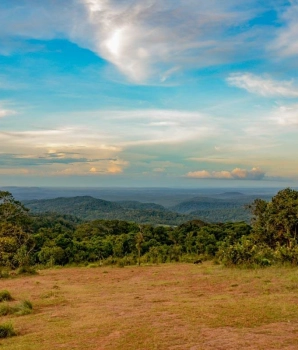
(229, 195)
(223, 207)
(167, 197)
(203, 203)
(139, 205)
(89, 208)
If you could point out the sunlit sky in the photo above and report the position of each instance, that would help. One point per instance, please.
(148, 93)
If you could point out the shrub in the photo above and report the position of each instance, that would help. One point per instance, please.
(245, 252)
(121, 263)
(4, 273)
(5, 296)
(7, 330)
(26, 270)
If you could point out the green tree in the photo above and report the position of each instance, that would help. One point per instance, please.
(139, 241)
(276, 222)
(16, 243)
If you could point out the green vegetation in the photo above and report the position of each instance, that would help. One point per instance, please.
(89, 208)
(7, 330)
(23, 308)
(5, 296)
(273, 238)
(226, 207)
(53, 239)
(16, 243)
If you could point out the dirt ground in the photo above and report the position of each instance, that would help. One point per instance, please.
(172, 306)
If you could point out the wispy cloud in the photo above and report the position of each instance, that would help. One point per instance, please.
(286, 115)
(5, 112)
(144, 39)
(263, 86)
(63, 151)
(236, 174)
(285, 44)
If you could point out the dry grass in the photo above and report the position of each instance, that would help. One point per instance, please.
(176, 306)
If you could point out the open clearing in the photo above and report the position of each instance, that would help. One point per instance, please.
(171, 306)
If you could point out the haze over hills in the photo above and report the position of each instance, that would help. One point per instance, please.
(167, 197)
(217, 207)
(89, 208)
(227, 206)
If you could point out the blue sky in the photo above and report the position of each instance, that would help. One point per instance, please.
(148, 93)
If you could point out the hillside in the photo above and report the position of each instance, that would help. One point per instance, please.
(89, 208)
(223, 207)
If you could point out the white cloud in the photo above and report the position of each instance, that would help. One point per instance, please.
(263, 86)
(236, 174)
(142, 38)
(6, 112)
(286, 115)
(286, 43)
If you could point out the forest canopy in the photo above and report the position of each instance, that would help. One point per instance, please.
(55, 239)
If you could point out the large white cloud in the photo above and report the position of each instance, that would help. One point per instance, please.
(142, 38)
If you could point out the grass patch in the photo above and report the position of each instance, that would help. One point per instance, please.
(5, 296)
(23, 308)
(7, 330)
(5, 309)
(26, 270)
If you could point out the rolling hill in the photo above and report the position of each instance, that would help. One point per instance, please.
(89, 208)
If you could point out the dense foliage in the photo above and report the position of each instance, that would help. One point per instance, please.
(51, 239)
(225, 207)
(273, 238)
(16, 243)
(122, 242)
(89, 208)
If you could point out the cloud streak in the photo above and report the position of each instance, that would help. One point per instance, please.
(286, 116)
(236, 174)
(4, 112)
(285, 43)
(263, 86)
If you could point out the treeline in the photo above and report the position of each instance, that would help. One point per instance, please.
(50, 239)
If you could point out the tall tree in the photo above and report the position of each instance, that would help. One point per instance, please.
(15, 240)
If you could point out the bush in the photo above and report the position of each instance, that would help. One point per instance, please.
(120, 263)
(246, 252)
(6, 330)
(4, 273)
(26, 270)
(5, 296)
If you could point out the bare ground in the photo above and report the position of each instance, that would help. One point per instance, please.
(175, 306)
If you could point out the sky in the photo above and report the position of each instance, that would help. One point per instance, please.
(162, 93)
